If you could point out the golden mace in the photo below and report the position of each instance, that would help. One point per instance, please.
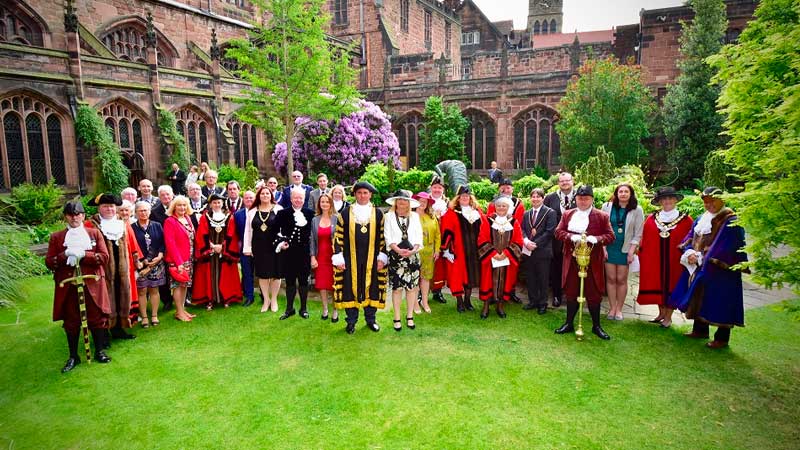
(582, 254)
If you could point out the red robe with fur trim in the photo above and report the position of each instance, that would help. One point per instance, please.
(212, 271)
(498, 283)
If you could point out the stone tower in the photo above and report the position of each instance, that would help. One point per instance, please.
(545, 16)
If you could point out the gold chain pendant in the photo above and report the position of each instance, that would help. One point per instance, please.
(664, 234)
(218, 229)
(263, 227)
(364, 228)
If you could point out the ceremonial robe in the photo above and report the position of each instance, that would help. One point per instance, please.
(498, 283)
(595, 284)
(216, 276)
(360, 284)
(660, 259)
(461, 238)
(713, 293)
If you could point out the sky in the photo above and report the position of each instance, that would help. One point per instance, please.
(581, 15)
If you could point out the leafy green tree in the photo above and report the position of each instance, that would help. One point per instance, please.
(691, 121)
(760, 79)
(443, 135)
(606, 105)
(292, 69)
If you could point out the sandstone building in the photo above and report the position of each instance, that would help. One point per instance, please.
(131, 58)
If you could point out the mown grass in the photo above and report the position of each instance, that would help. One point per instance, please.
(239, 379)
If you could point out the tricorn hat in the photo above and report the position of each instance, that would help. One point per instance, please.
(464, 189)
(506, 182)
(402, 194)
(585, 190)
(74, 208)
(664, 192)
(712, 191)
(105, 199)
(437, 180)
(215, 196)
(364, 185)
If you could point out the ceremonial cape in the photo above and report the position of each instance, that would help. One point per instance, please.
(498, 283)
(216, 271)
(360, 284)
(660, 260)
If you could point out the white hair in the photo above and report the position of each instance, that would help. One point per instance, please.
(142, 203)
(129, 190)
(297, 189)
(193, 186)
(126, 204)
(504, 199)
(165, 188)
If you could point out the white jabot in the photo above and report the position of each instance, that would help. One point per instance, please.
(218, 216)
(666, 217)
(299, 218)
(363, 212)
(77, 239)
(704, 224)
(112, 228)
(502, 224)
(579, 221)
(337, 205)
(439, 206)
(470, 214)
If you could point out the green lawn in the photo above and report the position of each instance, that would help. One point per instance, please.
(239, 379)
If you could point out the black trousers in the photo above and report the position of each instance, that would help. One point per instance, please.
(352, 314)
(723, 334)
(537, 277)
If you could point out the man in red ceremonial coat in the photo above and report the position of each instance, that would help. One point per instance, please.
(216, 251)
(500, 249)
(588, 220)
(65, 249)
(660, 254)
(123, 261)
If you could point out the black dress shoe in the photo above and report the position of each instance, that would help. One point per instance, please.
(556, 302)
(247, 302)
(397, 325)
(374, 327)
(122, 335)
(460, 308)
(484, 315)
(334, 319)
(542, 309)
(324, 317)
(437, 295)
(502, 314)
(515, 299)
(598, 330)
(304, 314)
(351, 328)
(468, 305)
(101, 357)
(566, 328)
(529, 307)
(70, 364)
(287, 314)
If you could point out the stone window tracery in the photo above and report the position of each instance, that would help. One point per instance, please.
(480, 139)
(245, 147)
(408, 129)
(17, 27)
(126, 127)
(535, 139)
(193, 127)
(127, 41)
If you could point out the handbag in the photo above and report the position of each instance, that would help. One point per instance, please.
(177, 275)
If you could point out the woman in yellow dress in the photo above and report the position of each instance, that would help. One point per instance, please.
(431, 240)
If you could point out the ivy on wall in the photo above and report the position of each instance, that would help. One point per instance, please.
(111, 175)
(168, 126)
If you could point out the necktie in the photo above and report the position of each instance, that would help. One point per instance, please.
(535, 213)
(566, 202)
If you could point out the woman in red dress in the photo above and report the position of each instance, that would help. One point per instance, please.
(322, 226)
(659, 255)
(179, 242)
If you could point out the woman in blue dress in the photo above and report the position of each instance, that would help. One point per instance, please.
(627, 221)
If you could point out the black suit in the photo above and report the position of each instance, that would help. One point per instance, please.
(296, 258)
(286, 198)
(537, 265)
(207, 192)
(177, 178)
(553, 201)
(158, 213)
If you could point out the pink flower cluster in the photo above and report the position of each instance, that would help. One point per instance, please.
(342, 150)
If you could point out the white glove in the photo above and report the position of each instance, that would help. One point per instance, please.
(449, 256)
(72, 260)
(592, 239)
(575, 238)
(78, 253)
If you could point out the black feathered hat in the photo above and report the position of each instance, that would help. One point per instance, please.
(74, 208)
(585, 190)
(464, 189)
(105, 199)
(364, 185)
(664, 192)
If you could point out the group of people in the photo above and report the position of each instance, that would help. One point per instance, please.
(210, 247)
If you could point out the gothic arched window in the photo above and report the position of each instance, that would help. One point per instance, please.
(536, 27)
(553, 26)
(127, 41)
(245, 147)
(407, 130)
(17, 26)
(536, 142)
(126, 127)
(545, 27)
(193, 126)
(32, 142)
(480, 139)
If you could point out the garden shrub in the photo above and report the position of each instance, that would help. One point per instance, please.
(483, 190)
(33, 204)
(524, 185)
(414, 180)
(378, 176)
(16, 263)
(251, 176)
(111, 175)
(228, 173)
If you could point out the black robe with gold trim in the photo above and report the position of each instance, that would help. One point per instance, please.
(360, 284)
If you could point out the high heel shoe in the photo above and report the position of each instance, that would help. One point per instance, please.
(410, 325)
(397, 326)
